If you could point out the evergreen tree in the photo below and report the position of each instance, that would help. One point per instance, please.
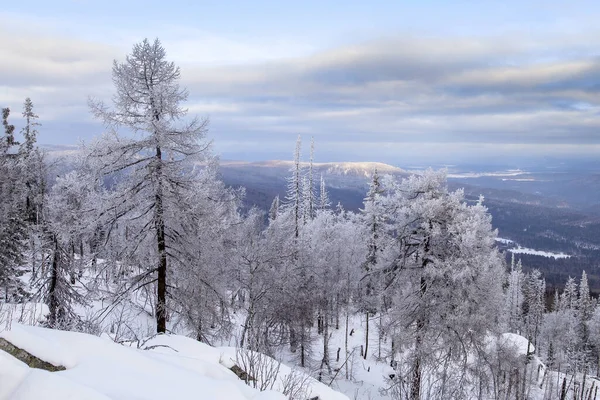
(534, 291)
(274, 210)
(324, 202)
(32, 165)
(514, 296)
(13, 233)
(569, 298)
(585, 305)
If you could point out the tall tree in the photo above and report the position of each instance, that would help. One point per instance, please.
(514, 296)
(324, 202)
(13, 231)
(33, 168)
(446, 278)
(373, 215)
(156, 159)
(293, 198)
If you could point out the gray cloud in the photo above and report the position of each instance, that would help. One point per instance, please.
(405, 92)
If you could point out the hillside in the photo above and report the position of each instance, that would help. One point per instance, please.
(534, 221)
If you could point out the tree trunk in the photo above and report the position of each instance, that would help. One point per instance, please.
(366, 337)
(161, 305)
(346, 342)
(415, 390)
(52, 298)
(325, 360)
(380, 338)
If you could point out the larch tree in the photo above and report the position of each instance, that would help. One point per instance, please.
(155, 159)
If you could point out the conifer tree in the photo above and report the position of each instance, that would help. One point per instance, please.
(13, 233)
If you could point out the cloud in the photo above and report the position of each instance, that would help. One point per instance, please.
(399, 92)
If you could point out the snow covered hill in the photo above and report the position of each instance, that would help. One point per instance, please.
(341, 168)
(163, 367)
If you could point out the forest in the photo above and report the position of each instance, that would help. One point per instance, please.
(143, 229)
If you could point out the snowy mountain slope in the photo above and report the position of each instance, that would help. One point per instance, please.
(165, 367)
(364, 169)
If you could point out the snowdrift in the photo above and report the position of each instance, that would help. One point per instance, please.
(165, 367)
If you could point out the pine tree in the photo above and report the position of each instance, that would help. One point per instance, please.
(293, 198)
(514, 297)
(32, 165)
(584, 313)
(8, 139)
(324, 202)
(29, 131)
(274, 210)
(13, 233)
(534, 291)
(568, 298)
(310, 190)
(585, 305)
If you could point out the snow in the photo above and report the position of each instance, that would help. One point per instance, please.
(510, 172)
(504, 241)
(163, 367)
(340, 168)
(314, 387)
(519, 343)
(525, 250)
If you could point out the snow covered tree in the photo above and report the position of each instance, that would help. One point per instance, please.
(514, 297)
(8, 139)
(585, 305)
(569, 298)
(309, 189)
(593, 327)
(373, 215)
(32, 166)
(155, 162)
(534, 293)
(293, 198)
(13, 231)
(324, 202)
(446, 280)
(205, 254)
(274, 210)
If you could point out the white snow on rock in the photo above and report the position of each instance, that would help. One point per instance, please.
(517, 342)
(164, 367)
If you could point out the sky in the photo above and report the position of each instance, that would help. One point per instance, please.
(400, 82)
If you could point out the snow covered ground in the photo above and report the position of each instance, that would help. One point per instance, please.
(164, 367)
(525, 250)
(517, 249)
(177, 367)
